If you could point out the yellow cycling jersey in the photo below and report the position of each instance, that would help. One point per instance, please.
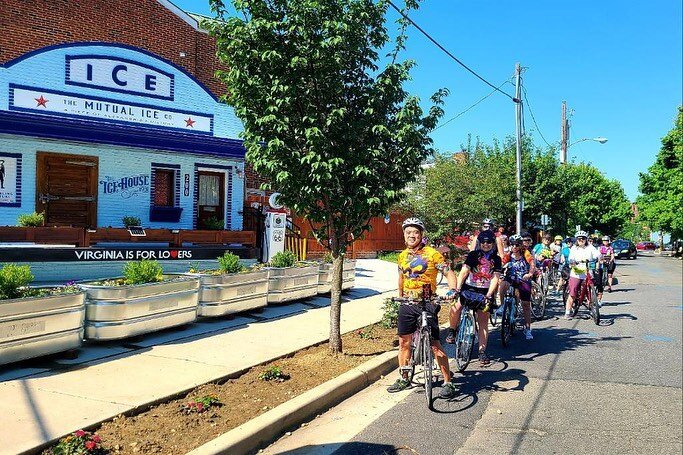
(419, 268)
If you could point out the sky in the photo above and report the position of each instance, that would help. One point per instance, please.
(617, 64)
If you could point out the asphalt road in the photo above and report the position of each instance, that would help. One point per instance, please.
(576, 388)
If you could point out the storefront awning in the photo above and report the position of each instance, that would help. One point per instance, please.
(123, 135)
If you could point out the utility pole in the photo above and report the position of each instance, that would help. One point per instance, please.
(565, 139)
(518, 115)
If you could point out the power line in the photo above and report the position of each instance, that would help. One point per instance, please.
(534, 118)
(472, 106)
(496, 89)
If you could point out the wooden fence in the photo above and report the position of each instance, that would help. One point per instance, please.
(382, 236)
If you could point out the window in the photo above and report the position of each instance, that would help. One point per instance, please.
(164, 186)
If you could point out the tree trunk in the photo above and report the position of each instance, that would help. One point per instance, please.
(335, 304)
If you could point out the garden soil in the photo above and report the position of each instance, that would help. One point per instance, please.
(166, 429)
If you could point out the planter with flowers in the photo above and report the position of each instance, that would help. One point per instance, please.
(325, 280)
(37, 321)
(291, 280)
(79, 443)
(144, 300)
(231, 288)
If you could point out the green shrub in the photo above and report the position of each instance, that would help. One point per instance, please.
(31, 219)
(274, 374)
(390, 315)
(213, 224)
(79, 443)
(141, 272)
(283, 259)
(229, 263)
(391, 256)
(328, 259)
(130, 221)
(12, 279)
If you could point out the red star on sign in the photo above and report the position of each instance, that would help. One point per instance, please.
(189, 122)
(41, 102)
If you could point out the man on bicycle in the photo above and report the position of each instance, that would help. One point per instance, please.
(579, 256)
(520, 270)
(418, 265)
(486, 225)
(480, 273)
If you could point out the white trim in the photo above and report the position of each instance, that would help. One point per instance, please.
(181, 14)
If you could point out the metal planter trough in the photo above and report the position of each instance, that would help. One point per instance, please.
(292, 283)
(36, 326)
(220, 295)
(348, 276)
(115, 312)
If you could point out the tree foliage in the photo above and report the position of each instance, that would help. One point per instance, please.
(336, 134)
(661, 187)
(457, 194)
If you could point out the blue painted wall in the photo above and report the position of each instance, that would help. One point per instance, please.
(48, 69)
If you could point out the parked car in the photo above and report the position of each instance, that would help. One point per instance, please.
(645, 246)
(624, 249)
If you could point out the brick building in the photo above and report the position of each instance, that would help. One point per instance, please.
(110, 109)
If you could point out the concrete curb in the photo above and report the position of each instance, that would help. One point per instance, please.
(263, 429)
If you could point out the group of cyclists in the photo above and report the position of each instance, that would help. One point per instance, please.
(493, 264)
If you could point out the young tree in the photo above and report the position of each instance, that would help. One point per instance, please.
(336, 134)
(661, 187)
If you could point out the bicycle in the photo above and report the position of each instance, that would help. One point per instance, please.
(464, 341)
(421, 344)
(511, 309)
(538, 301)
(588, 295)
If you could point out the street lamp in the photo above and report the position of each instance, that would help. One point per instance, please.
(599, 139)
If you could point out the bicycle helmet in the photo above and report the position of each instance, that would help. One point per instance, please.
(516, 240)
(558, 237)
(486, 236)
(583, 234)
(606, 237)
(487, 221)
(415, 222)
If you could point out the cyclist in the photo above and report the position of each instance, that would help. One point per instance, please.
(418, 265)
(564, 263)
(543, 254)
(519, 273)
(486, 225)
(608, 262)
(526, 240)
(578, 254)
(480, 273)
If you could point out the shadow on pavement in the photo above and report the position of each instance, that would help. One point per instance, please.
(347, 448)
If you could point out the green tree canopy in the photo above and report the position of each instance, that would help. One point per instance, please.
(336, 134)
(661, 187)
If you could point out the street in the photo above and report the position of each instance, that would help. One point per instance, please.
(576, 388)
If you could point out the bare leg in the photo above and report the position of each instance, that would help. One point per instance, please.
(526, 309)
(404, 351)
(483, 322)
(454, 315)
(442, 360)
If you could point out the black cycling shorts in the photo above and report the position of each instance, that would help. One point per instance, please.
(611, 266)
(564, 272)
(408, 316)
(467, 287)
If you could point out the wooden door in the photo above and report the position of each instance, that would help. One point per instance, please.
(66, 189)
(210, 199)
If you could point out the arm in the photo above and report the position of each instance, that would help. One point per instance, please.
(461, 277)
(500, 246)
(494, 285)
(400, 284)
(452, 279)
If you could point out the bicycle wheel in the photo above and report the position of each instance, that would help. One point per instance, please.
(427, 365)
(507, 323)
(414, 356)
(594, 307)
(464, 344)
(537, 301)
(494, 316)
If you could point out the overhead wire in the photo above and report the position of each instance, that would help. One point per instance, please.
(471, 107)
(526, 100)
(456, 59)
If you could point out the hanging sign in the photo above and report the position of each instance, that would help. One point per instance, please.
(10, 179)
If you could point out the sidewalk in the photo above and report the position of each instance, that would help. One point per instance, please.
(42, 400)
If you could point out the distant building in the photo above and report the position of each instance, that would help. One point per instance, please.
(110, 109)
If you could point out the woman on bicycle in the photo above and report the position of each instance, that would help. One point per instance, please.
(579, 255)
(519, 272)
(564, 263)
(608, 260)
(418, 265)
(480, 273)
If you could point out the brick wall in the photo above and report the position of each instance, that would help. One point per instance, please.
(31, 24)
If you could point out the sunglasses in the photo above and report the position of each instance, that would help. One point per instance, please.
(582, 239)
(487, 242)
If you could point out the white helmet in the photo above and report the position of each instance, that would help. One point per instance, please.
(605, 237)
(487, 221)
(416, 222)
(581, 234)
